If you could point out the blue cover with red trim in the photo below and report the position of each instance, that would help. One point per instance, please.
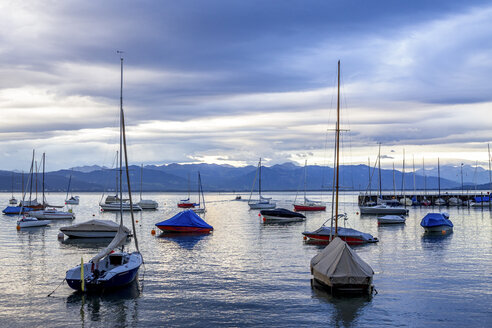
(185, 219)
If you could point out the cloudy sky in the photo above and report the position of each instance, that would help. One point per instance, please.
(229, 81)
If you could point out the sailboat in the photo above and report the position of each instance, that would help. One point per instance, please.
(262, 202)
(12, 200)
(27, 221)
(186, 203)
(386, 208)
(110, 269)
(73, 200)
(200, 206)
(326, 234)
(439, 201)
(145, 204)
(337, 267)
(308, 205)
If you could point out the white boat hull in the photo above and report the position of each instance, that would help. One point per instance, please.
(116, 207)
(261, 206)
(42, 215)
(391, 219)
(148, 205)
(32, 223)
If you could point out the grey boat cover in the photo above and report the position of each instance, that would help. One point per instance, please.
(117, 241)
(95, 225)
(338, 264)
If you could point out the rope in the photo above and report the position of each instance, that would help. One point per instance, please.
(56, 288)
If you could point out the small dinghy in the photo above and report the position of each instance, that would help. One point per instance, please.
(186, 221)
(30, 222)
(93, 229)
(74, 200)
(391, 219)
(437, 222)
(280, 215)
(340, 270)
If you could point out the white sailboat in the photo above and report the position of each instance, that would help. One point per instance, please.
(200, 206)
(262, 202)
(145, 204)
(73, 200)
(109, 269)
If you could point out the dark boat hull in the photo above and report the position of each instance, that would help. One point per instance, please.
(305, 208)
(116, 282)
(184, 229)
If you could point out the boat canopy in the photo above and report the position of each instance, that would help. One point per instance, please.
(95, 225)
(186, 218)
(346, 232)
(117, 241)
(337, 263)
(435, 220)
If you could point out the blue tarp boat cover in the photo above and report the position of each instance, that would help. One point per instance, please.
(15, 209)
(481, 199)
(185, 219)
(434, 220)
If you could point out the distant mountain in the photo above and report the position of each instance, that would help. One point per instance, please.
(87, 169)
(287, 176)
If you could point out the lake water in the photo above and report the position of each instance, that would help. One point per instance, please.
(248, 274)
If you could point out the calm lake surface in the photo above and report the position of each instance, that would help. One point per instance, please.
(247, 273)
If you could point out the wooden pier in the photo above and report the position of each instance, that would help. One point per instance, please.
(464, 199)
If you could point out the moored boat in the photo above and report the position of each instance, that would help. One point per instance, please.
(30, 222)
(262, 202)
(52, 214)
(349, 235)
(93, 229)
(437, 222)
(117, 206)
(280, 215)
(186, 221)
(383, 209)
(339, 269)
(391, 219)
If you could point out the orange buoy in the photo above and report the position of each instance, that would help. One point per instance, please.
(305, 238)
(136, 221)
(152, 232)
(18, 227)
(443, 232)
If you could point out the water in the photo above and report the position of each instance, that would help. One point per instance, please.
(250, 274)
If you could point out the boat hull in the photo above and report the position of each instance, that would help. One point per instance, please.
(116, 207)
(33, 224)
(89, 234)
(438, 229)
(281, 219)
(261, 206)
(383, 210)
(343, 289)
(348, 239)
(308, 208)
(391, 219)
(186, 205)
(183, 229)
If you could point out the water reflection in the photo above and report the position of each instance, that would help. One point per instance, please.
(123, 305)
(90, 243)
(187, 240)
(433, 241)
(347, 308)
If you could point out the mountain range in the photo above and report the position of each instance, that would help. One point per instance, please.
(287, 176)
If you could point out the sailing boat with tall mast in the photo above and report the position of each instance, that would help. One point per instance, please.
(73, 200)
(145, 204)
(110, 269)
(200, 206)
(12, 200)
(262, 203)
(439, 201)
(326, 234)
(186, 203)
(308, 205)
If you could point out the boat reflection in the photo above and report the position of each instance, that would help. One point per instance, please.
(121, 305)
(89, 243)
(347, 308)
(186, 240)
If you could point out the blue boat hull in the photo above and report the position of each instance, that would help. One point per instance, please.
(116, 282)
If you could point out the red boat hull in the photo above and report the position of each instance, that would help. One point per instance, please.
(309, 208)
(324, 239)
(184, 229)
(186, 205)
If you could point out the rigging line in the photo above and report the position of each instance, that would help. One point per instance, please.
(56, 288)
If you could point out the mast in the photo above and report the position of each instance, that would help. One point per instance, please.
(305, 179)
(121, 143)
(259, 180)
(12, 184)
(338, 152)
(461, 178)
(22, 183)
(141, 181)
(379, 168)
(69, 181)
(425, 178)
(369, 176)
(116, 176)
(394, 182)
(403, 179)
(123, 138)
(413, 165)
(37, 171)
(439, 177)
(490, 178)
(44, 162)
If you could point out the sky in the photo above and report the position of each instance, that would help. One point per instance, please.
(230, 81)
